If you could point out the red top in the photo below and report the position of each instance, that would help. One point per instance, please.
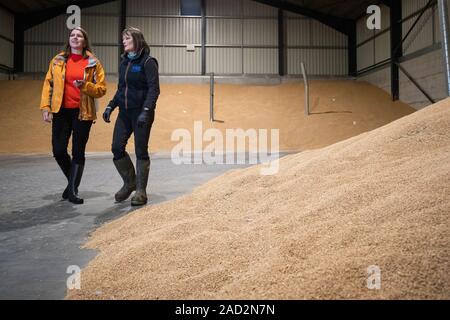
(74, 71)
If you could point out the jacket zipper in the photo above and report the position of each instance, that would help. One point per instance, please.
(80, 116)
(126, 86)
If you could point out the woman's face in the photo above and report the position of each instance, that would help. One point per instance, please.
(127, 42)
(76, 40)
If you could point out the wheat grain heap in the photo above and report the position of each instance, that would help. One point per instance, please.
(309, 232)
(339, 110)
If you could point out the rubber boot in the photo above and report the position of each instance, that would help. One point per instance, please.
(76, 172)
(126, 171)
(64, 164)
(142, 168)
(65, 194)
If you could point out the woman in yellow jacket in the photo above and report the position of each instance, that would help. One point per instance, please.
(74, 79)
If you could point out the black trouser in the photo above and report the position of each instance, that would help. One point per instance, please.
(65, 123)
(126, 124)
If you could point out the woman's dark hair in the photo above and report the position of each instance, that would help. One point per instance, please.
(139, 42)
(87, 46)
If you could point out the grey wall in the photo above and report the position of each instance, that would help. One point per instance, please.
(241, 39)
(428, 71)
(421, 50)
(321, 48)
(373, 46)
(45, 40)
(168, 33)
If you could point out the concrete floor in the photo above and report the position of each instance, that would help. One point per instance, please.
(41, 235)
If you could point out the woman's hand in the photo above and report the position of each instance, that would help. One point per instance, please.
(79, 83)
(47, 116)
(143, 118)
(107, 114)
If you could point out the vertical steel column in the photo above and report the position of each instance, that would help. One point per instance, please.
(281, 48)
(19, 44)
(396, 46)
(241, 17)
(305, 80)
(445, 40)
(122, 25)
(352, 50)
(203, 37)
(211, 101)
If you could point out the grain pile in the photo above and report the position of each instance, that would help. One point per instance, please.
(340, 110)
(310, 232)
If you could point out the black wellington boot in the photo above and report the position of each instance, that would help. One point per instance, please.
(142, 168)
(64, 164)
(65, 194)
(126, 171)
(76, 172)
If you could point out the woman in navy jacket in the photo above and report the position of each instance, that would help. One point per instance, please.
(136, 97)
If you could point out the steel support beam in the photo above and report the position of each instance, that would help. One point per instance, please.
(352, 50)
(416, 83)
(2, 6)
(445, 40)
(122, 26)
(203, 37)
(396, 47)
(428, 5)
(281, 46)
(336, 23)
(19, 44)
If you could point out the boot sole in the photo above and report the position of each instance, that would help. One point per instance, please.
(81, 201)
(138, 204)
(65, 194)
(124, 198)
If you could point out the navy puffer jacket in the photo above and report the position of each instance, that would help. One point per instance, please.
(138, 83)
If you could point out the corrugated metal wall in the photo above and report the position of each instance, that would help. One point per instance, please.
(220, 8)
(153, 7)
(382, 47)
(224, 60)
(241, 38)
(374, 46)
(410, 7)
(422, 57)
(260, 32)
(321, 48)
(6, 53)
(366, 55)
(153, 28)
(44, 41)
(6, 24)
(180, 61)
(37, 57)
(425, 33)
(318, 61)
(168, 33)
(224, 31)
(183, 31)
(53, 30)
(6, 38)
